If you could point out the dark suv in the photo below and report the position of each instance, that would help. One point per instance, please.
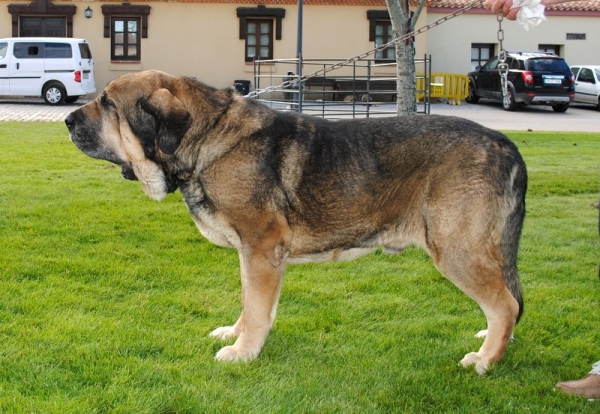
(533, 78)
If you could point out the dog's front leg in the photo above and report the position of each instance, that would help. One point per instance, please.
(228, 332)
(261, 286)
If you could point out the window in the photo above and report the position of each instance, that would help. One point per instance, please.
(259, 39)
(491, 64)
(381, 33)
(42, 18)
(586, 75)
(26, 50)
(260, 27)
(85, 51)
(58, 51)
(126, 25)
(43, 26)
(550, 49)
(125, 39)
(480, 53)
(38, 50)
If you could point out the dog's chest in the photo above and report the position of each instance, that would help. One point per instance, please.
(209, 221)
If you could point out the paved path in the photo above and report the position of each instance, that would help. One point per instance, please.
(536, 118)
(25, 110)
(578, 118)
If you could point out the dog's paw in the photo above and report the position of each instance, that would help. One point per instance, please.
(224, 332)
(233, 354)
(481, 365)
(481, 334)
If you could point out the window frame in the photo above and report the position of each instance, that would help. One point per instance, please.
(481, 46)
(41, 9)
(377, 18)
(549, 48)
(263, 14)
(386, 38)
(125, 44)
(126, 11)
(258, 40)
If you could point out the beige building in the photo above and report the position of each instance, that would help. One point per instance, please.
(214, 41)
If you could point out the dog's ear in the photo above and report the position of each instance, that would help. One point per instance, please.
(171, 118)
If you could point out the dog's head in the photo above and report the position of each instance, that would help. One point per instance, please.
(137, 122)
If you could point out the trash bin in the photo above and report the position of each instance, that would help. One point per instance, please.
(242, 86)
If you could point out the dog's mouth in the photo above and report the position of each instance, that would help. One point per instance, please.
(127, 173)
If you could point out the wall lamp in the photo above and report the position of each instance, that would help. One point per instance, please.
(88, 13)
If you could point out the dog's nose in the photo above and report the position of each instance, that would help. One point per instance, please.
(70, 120)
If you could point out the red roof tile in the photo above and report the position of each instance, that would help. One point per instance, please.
(581, 5)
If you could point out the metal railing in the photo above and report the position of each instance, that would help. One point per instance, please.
(362, 88)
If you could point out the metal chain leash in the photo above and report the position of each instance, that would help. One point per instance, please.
(321, 72)
(502, 65)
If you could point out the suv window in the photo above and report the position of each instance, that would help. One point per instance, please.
(547, 65)
(515, 64)
(58, 51)
(491, 65)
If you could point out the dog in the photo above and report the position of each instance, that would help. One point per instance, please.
(284, 188)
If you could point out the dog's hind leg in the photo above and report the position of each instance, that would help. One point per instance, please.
(478, 273)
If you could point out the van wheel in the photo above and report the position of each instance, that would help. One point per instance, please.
(54, 94)
(71, 99)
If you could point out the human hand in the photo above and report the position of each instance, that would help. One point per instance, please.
(504, 6)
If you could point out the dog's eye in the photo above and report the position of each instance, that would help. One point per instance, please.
(105, 102)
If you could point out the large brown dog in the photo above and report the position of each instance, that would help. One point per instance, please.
(285, 188)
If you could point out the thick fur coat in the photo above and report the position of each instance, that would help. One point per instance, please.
(286, 188)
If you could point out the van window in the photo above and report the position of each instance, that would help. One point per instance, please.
(3, 49)
(85, 51)
(27, 50)
(58, 51)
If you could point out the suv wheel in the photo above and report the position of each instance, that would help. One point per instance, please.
(508, 101)
(472, 96)
(54, 94)
(560, 107)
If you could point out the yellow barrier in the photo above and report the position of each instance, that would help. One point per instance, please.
(450, 86)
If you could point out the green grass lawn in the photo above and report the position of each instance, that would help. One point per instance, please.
(107, 299)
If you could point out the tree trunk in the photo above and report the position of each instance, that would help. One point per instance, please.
(402, 23)
(405, 79)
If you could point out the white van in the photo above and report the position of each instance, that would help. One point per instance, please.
(58, 69)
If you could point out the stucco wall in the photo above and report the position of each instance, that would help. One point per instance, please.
(450, 43)
(202, 39)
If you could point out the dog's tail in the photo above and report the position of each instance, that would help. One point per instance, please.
(515, 196)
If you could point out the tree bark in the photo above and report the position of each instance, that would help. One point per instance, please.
(402, 23)
(406, 101)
